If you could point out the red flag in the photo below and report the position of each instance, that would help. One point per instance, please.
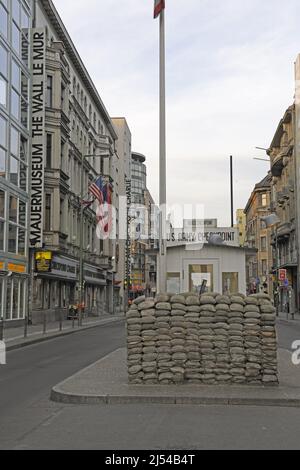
(159, 5)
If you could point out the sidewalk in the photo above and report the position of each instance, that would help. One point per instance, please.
(85, 387)
(14, 337)
(288, 319)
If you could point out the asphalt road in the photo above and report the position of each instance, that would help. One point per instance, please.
(28, 420)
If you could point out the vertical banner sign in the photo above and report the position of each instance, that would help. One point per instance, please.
(38, 61)
(128, 238)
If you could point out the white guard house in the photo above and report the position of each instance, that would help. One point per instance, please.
(222, 266)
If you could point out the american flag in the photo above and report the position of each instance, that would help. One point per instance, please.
(96, 189)
(104, 214)
(159, 5)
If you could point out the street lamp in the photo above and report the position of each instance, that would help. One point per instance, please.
(81, 276)
(273, 220)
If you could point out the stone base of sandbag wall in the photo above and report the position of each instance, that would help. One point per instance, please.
(211, 339)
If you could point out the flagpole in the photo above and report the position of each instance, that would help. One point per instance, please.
(162, 285)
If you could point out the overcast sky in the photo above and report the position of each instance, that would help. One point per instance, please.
(230, 77)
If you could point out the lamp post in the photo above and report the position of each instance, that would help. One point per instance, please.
(81, 275)
(273, 220)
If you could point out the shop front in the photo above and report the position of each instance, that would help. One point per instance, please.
(13, 292)
(95, 290)
(54, 286)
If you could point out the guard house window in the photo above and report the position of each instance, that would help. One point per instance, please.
(49, 96)
(49, 151)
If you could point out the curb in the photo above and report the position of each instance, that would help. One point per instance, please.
(43, 339)
(59, 396)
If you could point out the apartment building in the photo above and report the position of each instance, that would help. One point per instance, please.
(259, 265)
(79, 145)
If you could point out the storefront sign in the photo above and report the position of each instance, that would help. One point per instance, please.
(43, 261)
(16, 268)
(38, 56)
(64, 268)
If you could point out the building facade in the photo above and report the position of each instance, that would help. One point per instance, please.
(15, 144)
(139, 223)
(283, 202)
(241, 225)
(259, 265)
(79, 145)
(153, 243)
(123, 178)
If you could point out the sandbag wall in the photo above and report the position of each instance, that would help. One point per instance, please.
(211, 339)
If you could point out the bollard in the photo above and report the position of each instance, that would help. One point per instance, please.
(1, 328)
(60, 320)
(44, 324)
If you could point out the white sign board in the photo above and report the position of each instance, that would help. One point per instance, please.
(38, 57)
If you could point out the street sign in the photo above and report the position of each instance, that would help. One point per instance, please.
(282, 274)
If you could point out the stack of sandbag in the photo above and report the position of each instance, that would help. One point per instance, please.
(207, 339)
(193, 370)
(268, 340)
(148, 333)
(134, 344)
(222, 339)
(163, 340)
(236, 339)
(207, 336)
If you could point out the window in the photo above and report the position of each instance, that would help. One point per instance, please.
(173, 283)
(263, 243)
(2, 204)
(264, 200)
(264, 267)
(199, 273)
(49, 96)
(15, 75)
(14, 142)
(2, 163)
(2, 226)
(3, 92)
(16, 11)
(3, 127)
(16, 38)
(14, 171)
(63, 93)
(48, 213)
(12, 238)
(3, 60)
(3, 21)
(49, 151)
(230, 283)
(15, 104)
(13, 209)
